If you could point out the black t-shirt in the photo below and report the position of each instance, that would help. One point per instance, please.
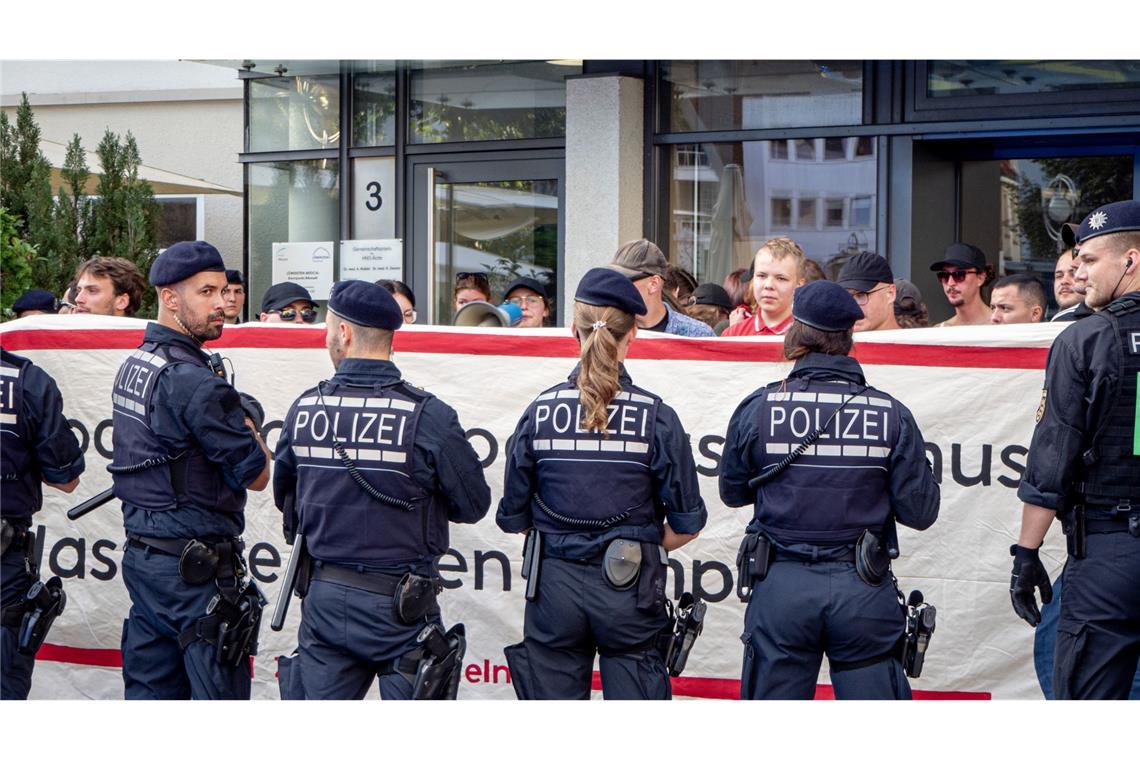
(660, 326)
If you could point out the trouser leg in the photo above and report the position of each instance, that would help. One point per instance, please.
(557, 642)
(15, 668)
(783, 641)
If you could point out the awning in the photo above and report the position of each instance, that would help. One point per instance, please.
(163, 182)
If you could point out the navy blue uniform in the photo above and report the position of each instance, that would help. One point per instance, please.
(1085, 452)
(37, 446)
(170, 409)
(638, 476)
(869, 463)
(409, 446)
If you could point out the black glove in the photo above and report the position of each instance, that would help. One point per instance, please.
(1028, 574)
(251, 408)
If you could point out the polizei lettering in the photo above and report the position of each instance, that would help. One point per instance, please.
(627, 420)
(354, 427)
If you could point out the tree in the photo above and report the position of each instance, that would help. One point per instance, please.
(16, 256)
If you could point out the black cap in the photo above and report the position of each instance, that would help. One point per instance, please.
(1122, 216)
(826, 306)
(712, 294)
(183, 260)
(233, 277)
(1069, 234)
(366, 304)
(961, 255)
(864, 271)
(525, 282)
(36, 300)
(602, 286)
(284, 293)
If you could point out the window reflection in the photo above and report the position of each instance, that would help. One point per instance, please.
(374, 107)
(294, 113)
(726, 199)
(949, 79)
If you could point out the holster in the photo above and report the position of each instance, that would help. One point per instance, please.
(198, 563)
(7, 534)
(414, 598)
(231, 624)
(872, 564)
(1075, 528)
(753, 559)
(42, 605)
(684, 628)
(439, 670)
(621, 563)
(651, 580)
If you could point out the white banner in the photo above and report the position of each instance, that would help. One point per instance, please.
(974, 392)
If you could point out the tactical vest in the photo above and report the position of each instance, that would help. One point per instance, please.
(586, 480)
(839, 485)
(376, 427)
(146, 473)
(22, 495)
(1111, 466)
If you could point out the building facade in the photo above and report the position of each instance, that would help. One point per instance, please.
(424, 170)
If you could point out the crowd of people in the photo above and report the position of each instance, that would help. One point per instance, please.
(752, 301)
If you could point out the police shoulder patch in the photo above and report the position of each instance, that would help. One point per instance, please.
(1041, 406)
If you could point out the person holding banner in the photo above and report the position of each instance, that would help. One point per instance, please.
(36, 447)
(185, 452)
(816, 555)
(601, 477)
(1083, 468)
(369, 471)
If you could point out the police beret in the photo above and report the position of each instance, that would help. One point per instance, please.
(826, 306)
(284, 293)
(366, 304)
(525, 282)
(233, 277)
(962, 255)
(183, 260)
(864, 271)
(1122, 216)
(36, 300)
(602, 286)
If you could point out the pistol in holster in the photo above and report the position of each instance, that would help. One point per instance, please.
(1075, 526)
(43, 603)
(753, 559)
(685, 624)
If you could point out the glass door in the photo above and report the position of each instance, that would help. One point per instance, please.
(485, 223)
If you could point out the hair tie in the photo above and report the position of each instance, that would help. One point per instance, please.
(599, 324)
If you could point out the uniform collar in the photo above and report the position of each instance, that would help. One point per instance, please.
(368, 371)
(156, 333)
(817, 365)
(623, 376)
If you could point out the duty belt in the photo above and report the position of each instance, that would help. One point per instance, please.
(377, 583)
(783, 555)
(176, 546)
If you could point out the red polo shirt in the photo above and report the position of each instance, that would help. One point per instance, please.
(754, 325)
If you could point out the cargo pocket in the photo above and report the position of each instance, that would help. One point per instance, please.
(1071, 639)
(748, 670)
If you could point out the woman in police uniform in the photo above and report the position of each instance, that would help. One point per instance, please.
(601, 477)
(826, 461)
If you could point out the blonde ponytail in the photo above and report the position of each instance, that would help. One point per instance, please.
(600, 330)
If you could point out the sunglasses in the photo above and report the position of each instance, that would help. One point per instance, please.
(290, 314)
(959, 275)
(460, 276)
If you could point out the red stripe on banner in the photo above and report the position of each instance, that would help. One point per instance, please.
(729, 688)
(430, 342)
(104, 658)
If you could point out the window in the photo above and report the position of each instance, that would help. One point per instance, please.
(728, 95)
(779, 149)
(294, 113)
(955, 79)
(805, 150)
(864, 146)
(180, 217)
(486, 100)
(374, 104)
(781, 212)
(806, 216)
(834, 149)
(861, 211)
(833, 215)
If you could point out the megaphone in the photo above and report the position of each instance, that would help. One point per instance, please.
(483, 314)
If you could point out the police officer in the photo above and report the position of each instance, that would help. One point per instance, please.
(601, 472)
(370, 470)
(184, 454)
(828, 463)
(1084, 469)
(36, 446)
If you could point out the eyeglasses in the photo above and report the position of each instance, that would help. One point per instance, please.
(863, 296)
(410, 316)
(460, 276)
(290, 314)
(528, 300)
(959, 275)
